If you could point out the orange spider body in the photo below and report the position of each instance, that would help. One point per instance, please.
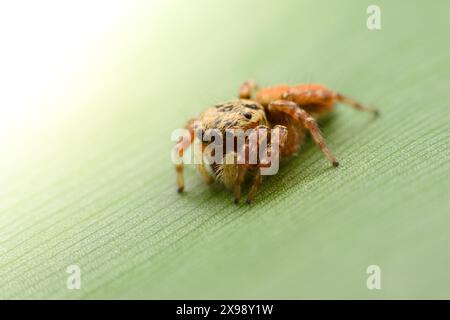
(292, 109)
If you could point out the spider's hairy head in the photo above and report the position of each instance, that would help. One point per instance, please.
(235, 117)
(236, 114)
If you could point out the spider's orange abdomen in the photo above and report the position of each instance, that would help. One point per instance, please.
(309, 87)
(267, 95)
(313, 91)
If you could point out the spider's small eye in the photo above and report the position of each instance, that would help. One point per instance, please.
(252, 106)
(248, 115)
(224, 108)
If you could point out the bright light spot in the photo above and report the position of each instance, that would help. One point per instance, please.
(40, 45)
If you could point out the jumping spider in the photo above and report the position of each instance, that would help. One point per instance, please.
(293, 110)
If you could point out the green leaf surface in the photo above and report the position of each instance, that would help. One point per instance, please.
(86, 178)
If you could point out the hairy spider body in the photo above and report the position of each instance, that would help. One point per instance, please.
(291, 110)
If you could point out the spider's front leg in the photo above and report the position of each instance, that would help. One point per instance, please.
(247, 89)
(247, 158)
(256, 183)
(277, 138)
(297, 114)
(240, 175)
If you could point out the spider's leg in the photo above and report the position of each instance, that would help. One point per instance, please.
(257, 181)
(247, 89)
(278, 142)
(241, 171)
(296, 113)
(242, 159)
(272, 149)
(317, 99)
(355, 105)
(181, 146)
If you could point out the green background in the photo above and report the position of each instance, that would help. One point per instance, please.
(90, 182)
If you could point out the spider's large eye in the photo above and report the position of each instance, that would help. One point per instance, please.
(248, 115)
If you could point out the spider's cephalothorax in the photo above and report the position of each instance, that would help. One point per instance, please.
(242, 114)
(292, 110)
